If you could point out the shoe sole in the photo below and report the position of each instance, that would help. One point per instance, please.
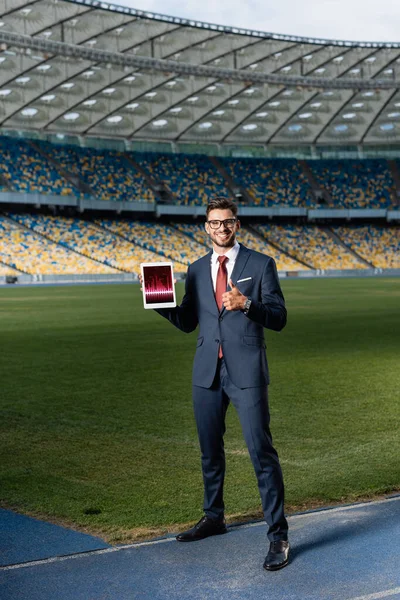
(276, 568)
(202, 538)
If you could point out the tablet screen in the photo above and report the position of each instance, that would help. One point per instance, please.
(158, 285)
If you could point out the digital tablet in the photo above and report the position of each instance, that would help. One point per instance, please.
(158, 285)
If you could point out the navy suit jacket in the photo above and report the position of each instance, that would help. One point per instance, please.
(241, 336)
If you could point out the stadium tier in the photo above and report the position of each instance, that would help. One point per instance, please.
(313, 245)
(26, 170)
(191, 179)
(271, 182)
(375, 244)
(6, 270)
(89, 240)
(42, 244)
(249, 239)
(165, 240)
(355, 183)
(31, 253)
(107, 174)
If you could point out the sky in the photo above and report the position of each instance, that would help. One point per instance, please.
(356, 20)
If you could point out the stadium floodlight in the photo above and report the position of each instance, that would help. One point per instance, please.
(387, 127)
(29, 112)
(305, 115)
(350, 115)
(23, 80)
(114, 119)
(5, 92)
(394, 115)
(218, 113)
(90, 102)
(295, 128)
(205, 125)
(233, 102)
(262, 114)
(176, 109)
(48, 97)
(160, 123)
(72, 116)
(250, 127)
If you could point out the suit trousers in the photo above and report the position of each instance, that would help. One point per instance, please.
(251, 404)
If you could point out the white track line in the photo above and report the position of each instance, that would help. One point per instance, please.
(378, 595)
(55, 559)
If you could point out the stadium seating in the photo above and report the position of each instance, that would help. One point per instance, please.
(5, 270)
(107, 173)
(192, 179)
(378, 245)
(355, 183)
(32, 253)
(312, 245)
(249, 239)
(28, 171)
(163, 239)
(271, 182)
(90, 240)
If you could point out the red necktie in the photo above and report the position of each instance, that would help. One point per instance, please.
(220, 287)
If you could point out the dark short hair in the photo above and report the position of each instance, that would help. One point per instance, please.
(221, 203)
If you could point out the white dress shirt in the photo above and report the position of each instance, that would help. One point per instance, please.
(230, 263)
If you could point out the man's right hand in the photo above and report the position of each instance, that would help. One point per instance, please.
(141, 280)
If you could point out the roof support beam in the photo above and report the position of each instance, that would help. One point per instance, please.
(169, 66)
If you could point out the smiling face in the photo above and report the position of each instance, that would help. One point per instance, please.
(224, 237)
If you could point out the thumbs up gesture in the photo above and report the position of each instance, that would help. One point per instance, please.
(233, 300)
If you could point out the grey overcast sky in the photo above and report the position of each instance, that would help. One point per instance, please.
(361, 20)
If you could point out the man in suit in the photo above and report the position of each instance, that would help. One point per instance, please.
(233, 293)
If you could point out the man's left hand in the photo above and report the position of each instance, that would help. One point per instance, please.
(233, 300)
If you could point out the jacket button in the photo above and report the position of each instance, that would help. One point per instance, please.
(217, 341)
(220, 318)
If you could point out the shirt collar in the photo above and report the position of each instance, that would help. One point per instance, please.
(231, 254)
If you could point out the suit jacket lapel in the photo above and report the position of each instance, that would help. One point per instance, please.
(208, 283)
(241, 260)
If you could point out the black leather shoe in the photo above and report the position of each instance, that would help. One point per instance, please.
(278, 556)
(204, 528)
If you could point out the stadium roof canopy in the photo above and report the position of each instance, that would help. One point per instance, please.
(90, 68)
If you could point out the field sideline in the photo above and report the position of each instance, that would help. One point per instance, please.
(96, 425)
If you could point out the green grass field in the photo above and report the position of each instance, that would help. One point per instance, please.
(96, 426)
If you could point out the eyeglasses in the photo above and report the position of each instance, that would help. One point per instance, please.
(215, 224)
